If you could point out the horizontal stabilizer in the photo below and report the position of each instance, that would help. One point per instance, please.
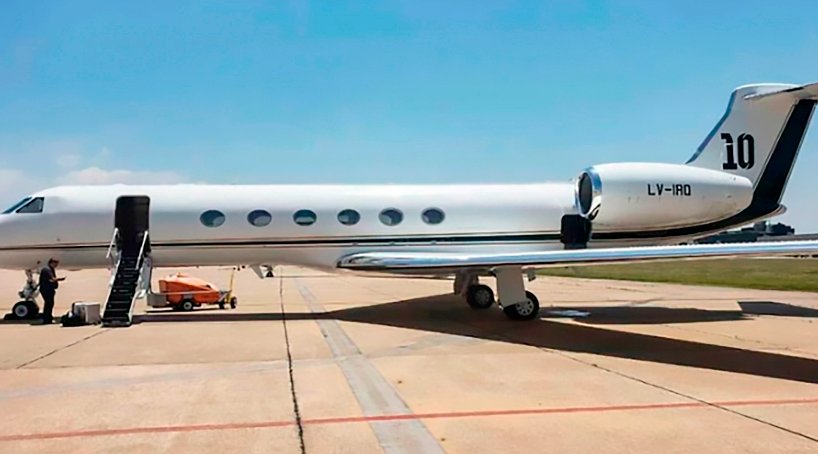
(809, 91)
(396, 261)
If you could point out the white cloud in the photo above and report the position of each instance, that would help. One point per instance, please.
(68, 160)
(14, 184)
(101, 157)
(17, 182)
(96, 176)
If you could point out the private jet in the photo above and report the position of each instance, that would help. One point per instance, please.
(610, 213)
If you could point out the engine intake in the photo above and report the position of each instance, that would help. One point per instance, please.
(589, 193)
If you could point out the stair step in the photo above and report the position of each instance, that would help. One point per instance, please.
(120, 299)
(122, 295)
(115, 314)
(111, 315)
(126, 280)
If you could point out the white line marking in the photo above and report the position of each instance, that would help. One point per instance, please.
(374, 393)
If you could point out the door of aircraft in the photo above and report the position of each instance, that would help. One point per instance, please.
(131, 218)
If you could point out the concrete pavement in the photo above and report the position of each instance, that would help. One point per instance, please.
(313, 362)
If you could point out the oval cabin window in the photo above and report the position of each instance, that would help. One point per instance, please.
(391, 216)
(212, 218)
(304, 217)
(433, 216)
(349, 217)
(259, 218)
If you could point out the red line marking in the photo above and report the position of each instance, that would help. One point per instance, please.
(398, 417)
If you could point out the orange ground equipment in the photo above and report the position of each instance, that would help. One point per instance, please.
(185, 292)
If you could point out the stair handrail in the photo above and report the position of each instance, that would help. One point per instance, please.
(111, 245)
(142, 251)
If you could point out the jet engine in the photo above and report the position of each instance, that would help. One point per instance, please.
(632, 196)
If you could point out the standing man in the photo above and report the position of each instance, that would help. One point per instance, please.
(48, 288)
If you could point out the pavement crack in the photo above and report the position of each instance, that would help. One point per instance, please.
(704, 402)
(683, 395)
(299, 423)
(62, 348)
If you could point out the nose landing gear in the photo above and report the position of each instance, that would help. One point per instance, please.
(27, 308)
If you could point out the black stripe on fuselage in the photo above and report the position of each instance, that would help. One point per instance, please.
(348, 241)
(768, 191)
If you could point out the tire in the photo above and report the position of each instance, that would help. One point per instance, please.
(25, 310)
(233, 302)
(480, 296)
(527, 310)
(221, 305)
(187, 305)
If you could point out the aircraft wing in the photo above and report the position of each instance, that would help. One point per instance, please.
(419, 261)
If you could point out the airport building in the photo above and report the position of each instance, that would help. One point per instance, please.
(760, 231)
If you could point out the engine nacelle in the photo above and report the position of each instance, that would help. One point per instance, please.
(650, 196)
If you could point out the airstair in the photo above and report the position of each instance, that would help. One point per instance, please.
(131, 273)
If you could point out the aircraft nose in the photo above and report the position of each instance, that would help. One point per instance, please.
(8, 231)
(3, 229)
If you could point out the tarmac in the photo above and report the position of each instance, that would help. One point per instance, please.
(315, 362)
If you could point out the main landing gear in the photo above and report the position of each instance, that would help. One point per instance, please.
(517, 303)
(480, 296)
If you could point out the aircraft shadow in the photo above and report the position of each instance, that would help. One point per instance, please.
(448, 314)
(645, 315)
(640, 315)
(773, 308)
(4, 321)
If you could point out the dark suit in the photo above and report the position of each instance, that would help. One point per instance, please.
(48, 289)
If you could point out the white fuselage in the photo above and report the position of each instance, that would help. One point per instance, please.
(77, 223)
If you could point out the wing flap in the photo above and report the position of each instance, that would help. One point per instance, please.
(395, 261)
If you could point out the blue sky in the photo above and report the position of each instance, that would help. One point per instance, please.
(392, 91)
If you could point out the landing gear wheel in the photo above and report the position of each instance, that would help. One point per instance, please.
(480, 296)
(233, 302)
(25, 310)
(526, 310)
(188, 305)
(221, 305)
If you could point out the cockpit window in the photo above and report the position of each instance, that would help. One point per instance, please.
(33, 206)
(17, 205)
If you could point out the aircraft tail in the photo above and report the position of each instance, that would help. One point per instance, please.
(759, 137)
